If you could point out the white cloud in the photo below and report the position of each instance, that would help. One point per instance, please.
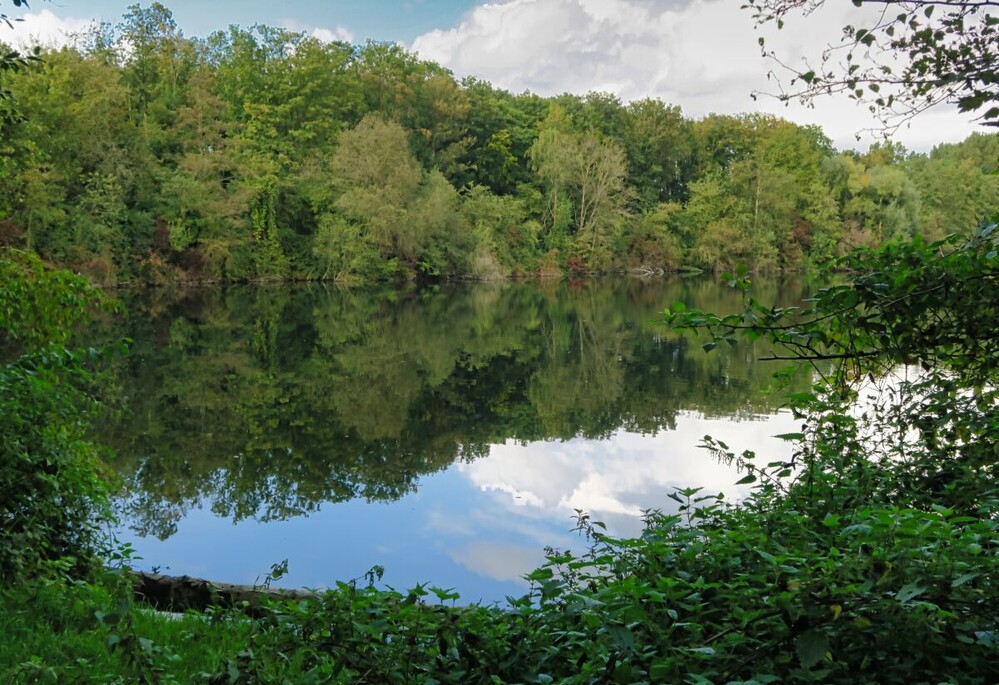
(43, 28)
(337, 34)
(327, 35)
(702, 55)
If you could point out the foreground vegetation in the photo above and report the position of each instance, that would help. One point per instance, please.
(140, 155)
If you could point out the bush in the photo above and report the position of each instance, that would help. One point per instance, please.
(51, 492)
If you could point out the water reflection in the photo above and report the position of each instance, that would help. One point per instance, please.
(618, 479)
(483, 414)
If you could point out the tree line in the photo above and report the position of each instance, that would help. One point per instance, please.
(141, 155)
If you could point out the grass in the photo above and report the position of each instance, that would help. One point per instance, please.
(54, 632)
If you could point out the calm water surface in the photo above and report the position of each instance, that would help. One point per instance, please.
(447, 435)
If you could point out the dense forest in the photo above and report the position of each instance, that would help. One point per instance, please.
(139, 155)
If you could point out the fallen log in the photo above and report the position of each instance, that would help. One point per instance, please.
(181, 593)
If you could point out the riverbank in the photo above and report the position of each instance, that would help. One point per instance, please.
(718, 594)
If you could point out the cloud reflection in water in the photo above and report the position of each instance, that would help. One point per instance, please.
(529, 488)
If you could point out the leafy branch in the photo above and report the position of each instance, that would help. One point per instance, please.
(905, 58)
(899, 308)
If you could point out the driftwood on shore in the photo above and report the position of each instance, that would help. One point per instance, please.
(181, 593)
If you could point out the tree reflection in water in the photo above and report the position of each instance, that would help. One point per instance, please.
(267, 402)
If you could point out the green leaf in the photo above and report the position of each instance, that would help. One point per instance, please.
(812, 646)
(621, 636)
(961, 580)
(746, 480)
(703, 650)
(661, 669)
(909, 592)
(766, 556)
(541, 574)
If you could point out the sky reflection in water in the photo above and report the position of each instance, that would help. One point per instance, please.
(446, 435)
(479, 526)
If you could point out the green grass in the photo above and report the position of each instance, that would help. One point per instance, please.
(54, 632)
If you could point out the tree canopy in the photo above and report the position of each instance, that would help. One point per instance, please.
(141, 155)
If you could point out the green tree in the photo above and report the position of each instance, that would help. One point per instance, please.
(660, 147)
(424, 98)
(441, 126)
(594, 112)
(599, 168)
(341, 249)
(723, 139)
(583, 175)
(792, 208)
(435, 217)
(551, 160)
(504, 127)
(201, 206)
(652, 239)
(717, 229)
(156, 63)
(506, 239)
(80, 152)
(877, 203)
(956, 185)
(378, 178)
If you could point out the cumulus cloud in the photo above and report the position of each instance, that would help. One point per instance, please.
(700, 54)
(44, 29)
(327, 35)
(337, 34)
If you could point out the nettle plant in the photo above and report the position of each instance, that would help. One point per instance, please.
(881, 532)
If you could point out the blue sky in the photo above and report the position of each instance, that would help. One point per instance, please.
(375, 19)
(702, 55)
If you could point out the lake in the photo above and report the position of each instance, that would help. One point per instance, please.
(447, 434)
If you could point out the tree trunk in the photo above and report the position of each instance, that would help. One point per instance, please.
(180, 593)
